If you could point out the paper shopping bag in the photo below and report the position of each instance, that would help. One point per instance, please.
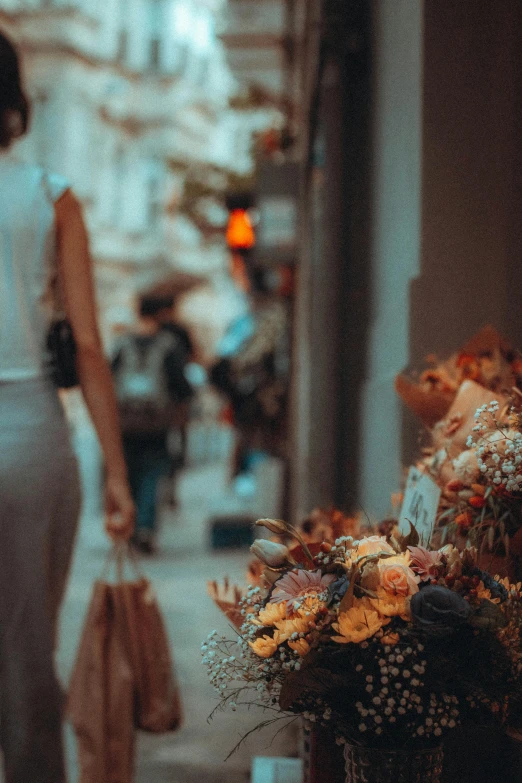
(158, 703)
(120, 684)
(86, 705)
(101, 692)
(123, 678)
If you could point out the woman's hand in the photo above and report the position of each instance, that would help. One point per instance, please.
(119, 509)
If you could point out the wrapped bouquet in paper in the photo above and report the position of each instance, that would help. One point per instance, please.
(481, 386)
(481, 482)
(487, 359)
(387, 643)
(328, 524)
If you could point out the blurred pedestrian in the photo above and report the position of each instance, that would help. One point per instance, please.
(253, 371)
(153, 397)
(42, 235)
(178, 436)
(165, 315)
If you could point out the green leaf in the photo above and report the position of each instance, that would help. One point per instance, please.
(412, 539)
(450, 512)
(348, 597)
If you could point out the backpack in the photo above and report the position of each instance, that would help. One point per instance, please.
(144, 401)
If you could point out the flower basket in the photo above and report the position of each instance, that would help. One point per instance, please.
(381, 644)
(323, 757)
(371, 765)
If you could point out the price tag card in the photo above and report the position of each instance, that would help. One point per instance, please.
(420, 504)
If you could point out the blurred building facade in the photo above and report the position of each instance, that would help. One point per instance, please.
(410, 224)
(123, 92)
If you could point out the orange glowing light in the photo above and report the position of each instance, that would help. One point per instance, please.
(240, 233)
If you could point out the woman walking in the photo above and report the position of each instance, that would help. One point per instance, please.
(42, 234)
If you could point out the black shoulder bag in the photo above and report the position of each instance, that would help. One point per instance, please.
(61, 346)
(61, 349)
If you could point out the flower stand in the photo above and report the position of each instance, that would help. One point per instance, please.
(371, 765)
(323, 758)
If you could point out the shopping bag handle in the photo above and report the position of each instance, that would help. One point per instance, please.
(120, 553)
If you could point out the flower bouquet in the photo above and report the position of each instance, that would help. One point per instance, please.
(328, 524)
(477, 462)
(321, 525)
(387, 643)
(487, 360)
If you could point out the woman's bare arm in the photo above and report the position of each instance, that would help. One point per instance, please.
(75, 268)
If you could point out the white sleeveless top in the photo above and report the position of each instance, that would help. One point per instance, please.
(27, 265)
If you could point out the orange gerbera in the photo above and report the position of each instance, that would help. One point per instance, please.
(300, 646)
(391, 605)
(266, 646)
(272, 613)
(360, 622)
(391, 638)
(294, 624)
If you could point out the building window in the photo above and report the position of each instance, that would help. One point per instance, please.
(203, 32)
(119, 182)
(123, 45)
(156, 29)
(155, 201)
(181, 58)
(204, 71)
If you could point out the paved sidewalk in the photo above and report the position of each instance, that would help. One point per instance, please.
(179, 572)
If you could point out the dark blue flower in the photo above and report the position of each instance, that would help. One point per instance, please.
(338, 588)
(439, 610)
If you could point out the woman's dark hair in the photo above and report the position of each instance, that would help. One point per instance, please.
(14, 106)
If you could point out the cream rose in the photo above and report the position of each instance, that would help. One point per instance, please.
(372, 546)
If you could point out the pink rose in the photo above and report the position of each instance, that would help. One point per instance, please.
(398, 579)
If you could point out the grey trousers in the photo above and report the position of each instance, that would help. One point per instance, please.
(39, 509)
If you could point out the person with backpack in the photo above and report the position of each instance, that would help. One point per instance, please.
(153, 395)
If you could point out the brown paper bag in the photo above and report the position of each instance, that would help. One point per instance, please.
(123, 677)
(101, 693)
(86, 705)
(120, 684)
(158, 703)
